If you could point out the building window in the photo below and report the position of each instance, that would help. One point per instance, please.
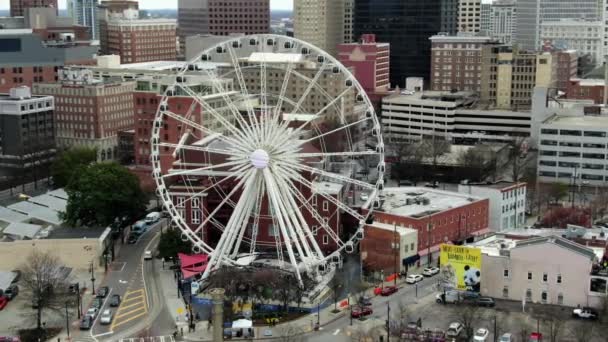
(543, 297)
(314, 201)
(560, 299)
(559, 278)
(272, 230)
(412, 246)
(180, 201)
(505, 273)
(529, 275)
(325, 239)
(505, 292)
(545, 277)
(314, 230)
(196, 216)
(182, 213)
(325, 206)
(528, 295)
(196, 202)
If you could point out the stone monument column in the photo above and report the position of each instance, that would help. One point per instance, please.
(217, 312)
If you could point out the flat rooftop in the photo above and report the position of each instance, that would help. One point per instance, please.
(496, 185)
(571, 122)
(396, 201)
(401, 230)
(75, 233)
(327, 187)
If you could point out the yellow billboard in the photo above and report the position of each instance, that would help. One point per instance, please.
(461, 267)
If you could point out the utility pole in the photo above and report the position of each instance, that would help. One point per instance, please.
(388, 321)
(395, 249)
(67, 319)
(495, 330)
(92, 277)
(78, 308)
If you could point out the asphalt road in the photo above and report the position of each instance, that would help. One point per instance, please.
(126, 277)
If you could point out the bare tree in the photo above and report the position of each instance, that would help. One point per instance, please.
(45, 278)
(583, 331)
(554, 325)
(517, 158)
(290, 333)
(283, 289)
(399, 320)
(335, 285)
(468, 316)
(363, 334)
(524, 330)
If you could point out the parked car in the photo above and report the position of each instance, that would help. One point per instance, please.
(430, 271)
(365, 301)
(433, 185)
(97, 303)
(115, 300)
(152, 217)
(92, 312)
(132, 239)
(485, 301)
(413, 278)
(9, 339)
(364, 197)
(454, 329)
(449, 297)
(388, 290)
(147, 255)
(585, 313)
(361, 311)
(139, 227)
(103, 292)
(86, 323)
(11, 292)
(106, 316)
(481, 335)
(3, 302)
(506, 337)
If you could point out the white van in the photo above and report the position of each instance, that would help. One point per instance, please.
(152, 217)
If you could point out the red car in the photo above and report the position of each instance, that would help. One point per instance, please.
(360, 311)
(388, 290)
(3, 302)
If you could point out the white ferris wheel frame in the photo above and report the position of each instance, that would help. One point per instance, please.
(265, 160)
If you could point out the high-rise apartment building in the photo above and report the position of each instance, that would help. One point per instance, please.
(90, 112)
(469, 15)
(585, 36)
(222, 17)
(531, 13)
(27, 144)
(320, 23)
(349, 6)
(18, 7)
(484, 19)
(503, 21)
(567, 69)
(84, 12)
(456, 62)
(449, 16)
(370, 61)
(141, 40)
(406, 25)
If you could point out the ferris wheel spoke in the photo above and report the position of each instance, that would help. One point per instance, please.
(244, 133)
(198, 171)
(298, 194)
(336, 154)
(210, 150)
(251, 207)
(204, 129)
(336, 176)
(311, 85)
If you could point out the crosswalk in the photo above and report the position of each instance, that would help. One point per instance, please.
(149, 339)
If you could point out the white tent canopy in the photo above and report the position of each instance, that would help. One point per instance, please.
(242, 324)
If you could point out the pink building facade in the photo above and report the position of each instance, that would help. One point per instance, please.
(369, 61)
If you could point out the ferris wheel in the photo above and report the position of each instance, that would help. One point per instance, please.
(274, 139)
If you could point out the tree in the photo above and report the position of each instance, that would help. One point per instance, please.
(582, 331)
(524, 330)
(554, 325)
(518, 157)
(335, 285)
(557, 191)
(171, 244)
(479, 162)
(101, 193)
(44, 277)
(363, 334)
(561, 217)
(70, 163)
(399, 320)
(468, 316)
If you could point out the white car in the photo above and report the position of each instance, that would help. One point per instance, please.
(506, 337)
(147, 255)
(481, 335)
(413, 278)
(92, 312)
(430, 271)
(364, 197)
(106, 316)
(454, 329)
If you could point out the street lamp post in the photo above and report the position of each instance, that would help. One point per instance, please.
(395, 249)
(78, 304)
(388, 321)
(92, 277)
(67, 319)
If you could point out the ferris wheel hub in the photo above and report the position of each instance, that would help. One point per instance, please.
(259, 159)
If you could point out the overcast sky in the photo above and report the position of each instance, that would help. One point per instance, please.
(275, 4)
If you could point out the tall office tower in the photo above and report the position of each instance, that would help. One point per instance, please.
(110, 10)
(531, 13)
(320, 22)
(407, 26)
(18, 7)
(469, 15)
(84, 12)
(503, 21)
(349, 6)
(485, 18)
(221, 17)
(449, 16)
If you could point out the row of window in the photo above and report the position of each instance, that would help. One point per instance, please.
(545, 277)
(569, 175)
(596, 134)
(544, 295)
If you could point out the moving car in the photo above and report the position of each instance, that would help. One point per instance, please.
(3, 302)
(365, 301)
(11, 292)
(430, 271)
(133, 239)
(361, 311)
(454, 329)
(364, 197)
(115, 300)
(485, 301)
(413, 278)
(388, 290)
(585, 313)
(147, 255)
(106, 316)
(103, 292)
(152, 217)
(139, 227)
(481, 335)
(92, 312)
(97, 303)
(86, 323)
(506, 337)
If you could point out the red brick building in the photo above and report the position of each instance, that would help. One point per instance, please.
(567, 68)
(438, 216)
(18, 7)
(142, 40)
(586, 89)
(369, 60)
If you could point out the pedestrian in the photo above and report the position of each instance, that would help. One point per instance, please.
(181, 331)
(193, 327)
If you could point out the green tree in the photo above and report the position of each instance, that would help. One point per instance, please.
(171, 243)
(70, 162)
(102, 192)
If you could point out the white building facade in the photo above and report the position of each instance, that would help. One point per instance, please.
(469, 15)
(503, 21)
(573, 34)
(507, 203)
(573, 149)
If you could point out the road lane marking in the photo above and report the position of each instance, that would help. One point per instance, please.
(105, 300)
(104, 334)
(140, 297)
(123, 314)
(122, 308)
(128, 293)
(336, 332)
(128, 320)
